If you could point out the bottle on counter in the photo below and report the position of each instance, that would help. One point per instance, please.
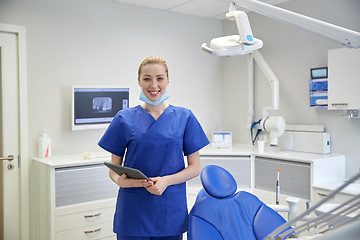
(44, 145)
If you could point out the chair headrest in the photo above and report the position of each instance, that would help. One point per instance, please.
(218, 182)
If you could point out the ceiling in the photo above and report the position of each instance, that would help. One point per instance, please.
(203, 8)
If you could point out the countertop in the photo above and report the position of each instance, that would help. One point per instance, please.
(269, 152)
(235, 150)
(75, 159)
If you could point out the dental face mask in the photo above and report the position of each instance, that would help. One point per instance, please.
(160, 100)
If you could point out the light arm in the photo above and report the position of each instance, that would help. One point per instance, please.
(243, 26)
(271, 78)
(335, 33)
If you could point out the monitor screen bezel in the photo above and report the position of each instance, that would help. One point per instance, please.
(315, 76)
(88, 126)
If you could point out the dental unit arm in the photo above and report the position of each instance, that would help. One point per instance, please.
(243, 25)
(274, 125)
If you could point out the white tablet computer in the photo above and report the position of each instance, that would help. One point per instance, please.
(130, 172)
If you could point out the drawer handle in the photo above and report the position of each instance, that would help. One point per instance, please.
(93, 231)
(92, 216)
(322, 194)
(339, 104)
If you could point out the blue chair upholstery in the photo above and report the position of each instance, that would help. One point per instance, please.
(219, 213)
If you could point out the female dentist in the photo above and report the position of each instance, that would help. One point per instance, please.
(155, 136)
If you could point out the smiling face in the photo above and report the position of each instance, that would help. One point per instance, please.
(153, 80)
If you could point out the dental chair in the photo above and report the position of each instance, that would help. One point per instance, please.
(221, 214)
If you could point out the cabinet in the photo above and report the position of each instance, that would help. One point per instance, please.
(323, 190)
(343, 79)
(72, 199)
(299, 171)
(251, 169)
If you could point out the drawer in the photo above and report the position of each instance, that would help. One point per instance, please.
(320, 194)
(110, 238)
(81, 184)
(83, 219)
(97, 231)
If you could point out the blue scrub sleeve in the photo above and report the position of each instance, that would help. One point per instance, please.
(113, 139)
(194, 136)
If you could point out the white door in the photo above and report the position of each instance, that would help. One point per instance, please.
(10, 174)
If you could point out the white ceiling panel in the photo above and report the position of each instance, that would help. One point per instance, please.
(203, 8)
(160, 4)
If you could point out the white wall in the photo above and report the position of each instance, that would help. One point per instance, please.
(291, 52)
(102, 42)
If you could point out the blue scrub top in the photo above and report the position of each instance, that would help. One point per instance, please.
(157, 148)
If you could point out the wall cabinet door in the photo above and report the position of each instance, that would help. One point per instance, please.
(343, 79)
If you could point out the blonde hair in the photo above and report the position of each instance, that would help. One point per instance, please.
(153, 60)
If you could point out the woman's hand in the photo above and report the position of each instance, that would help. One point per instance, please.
(159, 185)
(125, 182)
(191, 171)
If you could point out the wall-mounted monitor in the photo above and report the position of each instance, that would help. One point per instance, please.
(93, 107)
(317, 73)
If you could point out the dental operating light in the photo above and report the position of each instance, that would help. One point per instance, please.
(234, 45)
(245, 42)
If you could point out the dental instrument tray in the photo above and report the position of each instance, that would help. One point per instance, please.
(130, 172)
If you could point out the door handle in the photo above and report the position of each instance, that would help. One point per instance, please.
(9, 158)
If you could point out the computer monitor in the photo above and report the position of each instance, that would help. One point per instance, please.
(94, 107)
